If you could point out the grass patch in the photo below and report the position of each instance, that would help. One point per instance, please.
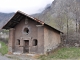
(63, 53)
(4, 48)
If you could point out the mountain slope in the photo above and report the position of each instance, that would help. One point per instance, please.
(4, 17)
(59, 12)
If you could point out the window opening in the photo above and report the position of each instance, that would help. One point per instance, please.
(26, 30)
(35, 42)
(18, 41)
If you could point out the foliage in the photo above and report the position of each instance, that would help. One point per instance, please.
(5, 31)
(4, 48)
(63, 53)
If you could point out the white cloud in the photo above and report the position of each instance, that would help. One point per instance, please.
(28, 6)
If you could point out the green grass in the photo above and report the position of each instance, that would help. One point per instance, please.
(4, 48)
(63, 53)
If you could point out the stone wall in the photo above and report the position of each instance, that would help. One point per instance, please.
(51, 39)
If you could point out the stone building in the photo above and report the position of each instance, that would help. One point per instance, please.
(30, 35)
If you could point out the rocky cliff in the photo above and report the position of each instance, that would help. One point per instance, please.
(59, 12)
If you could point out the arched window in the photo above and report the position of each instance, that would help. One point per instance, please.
(35, 42)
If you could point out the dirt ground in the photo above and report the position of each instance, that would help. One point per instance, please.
(4, 57)
(20, 57)
(16, 57)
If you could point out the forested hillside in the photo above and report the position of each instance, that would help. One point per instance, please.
(59, 12)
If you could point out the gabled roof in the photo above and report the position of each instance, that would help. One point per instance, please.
(18, 16)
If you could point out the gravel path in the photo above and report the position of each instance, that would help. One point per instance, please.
(4, 57)
(21, 57)
(15, 57)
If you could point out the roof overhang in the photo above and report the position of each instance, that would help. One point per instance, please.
(18, 16)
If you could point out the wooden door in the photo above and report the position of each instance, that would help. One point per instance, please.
(26, 46)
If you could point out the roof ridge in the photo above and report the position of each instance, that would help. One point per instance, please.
(32, 17)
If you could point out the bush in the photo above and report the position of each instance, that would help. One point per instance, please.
(4, 48)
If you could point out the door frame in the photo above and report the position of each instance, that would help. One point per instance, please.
(28, 46)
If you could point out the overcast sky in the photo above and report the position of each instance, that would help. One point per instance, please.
(27, 6)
